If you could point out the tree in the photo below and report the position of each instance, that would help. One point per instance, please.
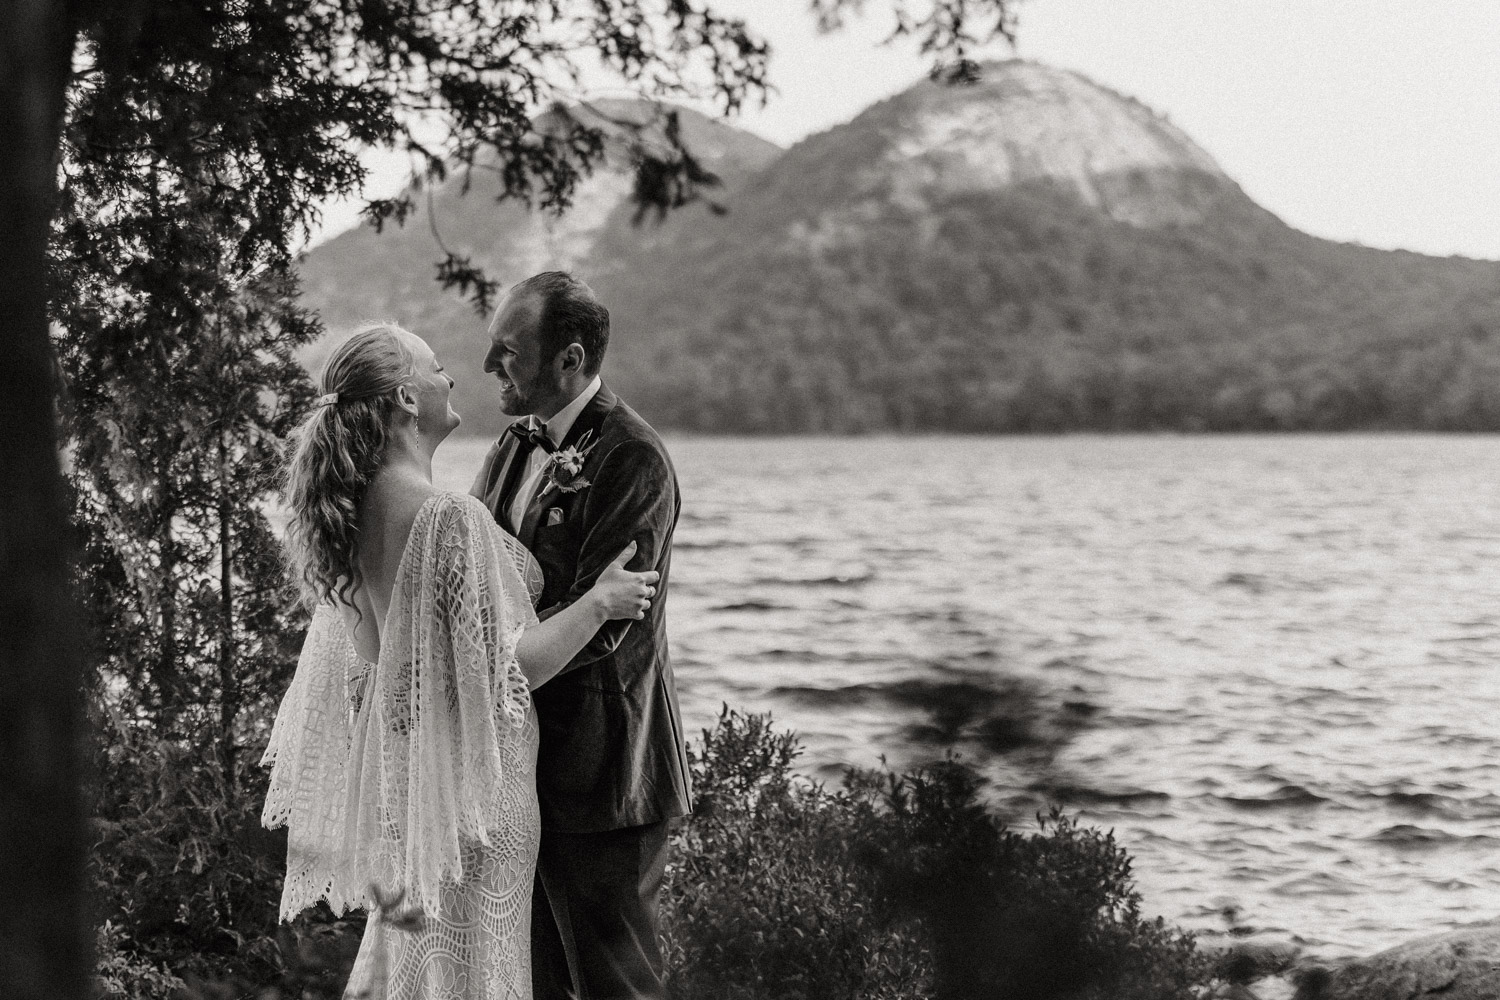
(41, 822)
(195, 141)
(191, 162)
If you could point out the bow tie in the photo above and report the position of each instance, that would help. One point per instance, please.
(533, 437)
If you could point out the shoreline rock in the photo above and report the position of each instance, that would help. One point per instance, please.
(1462, 964)
(1250, 961)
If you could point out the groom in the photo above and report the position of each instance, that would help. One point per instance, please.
(612, 768)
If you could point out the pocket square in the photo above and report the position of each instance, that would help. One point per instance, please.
(554, 516)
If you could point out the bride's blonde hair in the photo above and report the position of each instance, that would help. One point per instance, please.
(339, 448)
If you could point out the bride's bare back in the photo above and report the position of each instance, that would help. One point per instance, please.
(386, 517)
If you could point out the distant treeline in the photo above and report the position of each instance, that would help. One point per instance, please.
(1449, 384)
(1020, 311)
(1029, 313)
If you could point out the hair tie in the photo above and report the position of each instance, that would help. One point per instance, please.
(327, 400)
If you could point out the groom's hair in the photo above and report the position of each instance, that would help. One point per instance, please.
(569, 315)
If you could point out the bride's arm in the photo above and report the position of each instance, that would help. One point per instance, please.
(546, 647)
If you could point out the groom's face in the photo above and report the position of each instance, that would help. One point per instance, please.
(528, 384)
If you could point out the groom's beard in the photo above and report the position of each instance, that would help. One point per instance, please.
(519, 400)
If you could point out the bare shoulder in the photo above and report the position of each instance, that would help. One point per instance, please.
(389, 512)
(398, 498)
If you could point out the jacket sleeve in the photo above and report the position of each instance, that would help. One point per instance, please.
(633, 497)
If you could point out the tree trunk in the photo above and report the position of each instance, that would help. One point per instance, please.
(44, 945)
(171, 684)
(229, 701)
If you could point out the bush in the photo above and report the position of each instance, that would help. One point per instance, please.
(770, 896)
(189, 883)
(895, 887)
(180, 863)
(887, 888)
(121, 973)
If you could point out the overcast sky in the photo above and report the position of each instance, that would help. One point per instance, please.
(1375, 121)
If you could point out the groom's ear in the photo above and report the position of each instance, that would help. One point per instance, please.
(572, 358)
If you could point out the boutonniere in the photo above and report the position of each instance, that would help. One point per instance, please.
(564, 471)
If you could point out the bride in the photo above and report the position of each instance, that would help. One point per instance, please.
(404, 753)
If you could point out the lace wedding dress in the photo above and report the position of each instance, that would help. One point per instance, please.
(417, 773)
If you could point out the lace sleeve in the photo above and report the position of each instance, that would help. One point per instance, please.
(308, 755)
(439, 755)
(380, 772)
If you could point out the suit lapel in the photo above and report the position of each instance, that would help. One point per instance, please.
(508, 474)
(590, 421)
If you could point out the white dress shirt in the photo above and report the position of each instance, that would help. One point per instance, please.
(536, 462)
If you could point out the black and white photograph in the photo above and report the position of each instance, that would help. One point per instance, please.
(750, 500)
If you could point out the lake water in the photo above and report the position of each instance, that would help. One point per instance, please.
(1268, 663)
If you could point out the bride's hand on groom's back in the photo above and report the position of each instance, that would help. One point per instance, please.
(622, 593)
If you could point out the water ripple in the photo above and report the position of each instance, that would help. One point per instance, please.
(1266, 661)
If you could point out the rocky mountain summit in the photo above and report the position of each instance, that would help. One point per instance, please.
(1032, 252)
(1023, 123)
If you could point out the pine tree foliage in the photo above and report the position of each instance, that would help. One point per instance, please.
(199, 139)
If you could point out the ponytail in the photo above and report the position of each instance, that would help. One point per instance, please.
(339, 448)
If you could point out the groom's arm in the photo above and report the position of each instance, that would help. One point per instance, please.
(632, 498)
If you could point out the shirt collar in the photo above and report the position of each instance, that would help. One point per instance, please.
(564, 419)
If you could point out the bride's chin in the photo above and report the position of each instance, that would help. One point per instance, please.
(439, 434)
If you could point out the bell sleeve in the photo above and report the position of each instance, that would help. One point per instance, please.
(308, 755)
(439, 751)
(443, 755)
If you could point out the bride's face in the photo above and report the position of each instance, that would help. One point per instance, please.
(432, 387)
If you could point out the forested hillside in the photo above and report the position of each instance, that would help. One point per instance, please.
(1034, 252)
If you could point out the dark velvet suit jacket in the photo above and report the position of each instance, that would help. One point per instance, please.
(612, 753)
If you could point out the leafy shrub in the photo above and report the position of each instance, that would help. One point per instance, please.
(895, 887)
(1053, 914)
(780, 888)
(121, 973)
(769, 897)
(180, 862)
(189, 882)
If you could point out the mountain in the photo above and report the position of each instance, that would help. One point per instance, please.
(1032, 252)
(362, 276)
